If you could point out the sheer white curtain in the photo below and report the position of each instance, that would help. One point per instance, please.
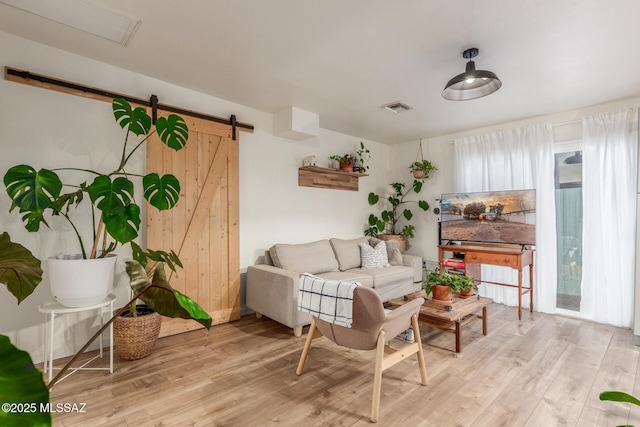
(609, 217)
(515, 159)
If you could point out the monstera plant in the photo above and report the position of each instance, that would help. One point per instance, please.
(114, 210)
(37, 192)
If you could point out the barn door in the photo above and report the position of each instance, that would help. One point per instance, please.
(203, 228)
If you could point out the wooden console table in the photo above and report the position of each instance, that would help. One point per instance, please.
(515, 258)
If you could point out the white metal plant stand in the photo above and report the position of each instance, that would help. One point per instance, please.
(53, 308)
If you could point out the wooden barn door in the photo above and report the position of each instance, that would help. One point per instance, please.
(203, 228)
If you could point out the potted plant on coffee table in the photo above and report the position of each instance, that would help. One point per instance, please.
(86, 278)
(443, 286)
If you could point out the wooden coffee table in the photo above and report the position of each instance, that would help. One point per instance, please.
(450, 317)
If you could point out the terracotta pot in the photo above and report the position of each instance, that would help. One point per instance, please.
(402, 241)
(466, 293)
(418, 174)
(347, 165)
(441, 293)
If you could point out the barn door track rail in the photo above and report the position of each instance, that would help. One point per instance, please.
(52, 83)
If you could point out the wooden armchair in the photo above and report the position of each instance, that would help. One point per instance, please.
(372, 329)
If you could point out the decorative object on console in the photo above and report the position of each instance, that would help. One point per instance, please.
(472, 83)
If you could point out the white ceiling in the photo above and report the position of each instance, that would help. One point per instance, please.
(343, 59)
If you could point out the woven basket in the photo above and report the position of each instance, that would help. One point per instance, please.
(134, 337)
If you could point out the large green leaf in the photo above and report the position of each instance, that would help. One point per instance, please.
(423, 205)
(417, 186)
(32, 192)
(21, 383)
(19, 270)
(373, 220)
(619, 396)
(123, 224)
(136, 119)
(162, 297)
(115, 199)
(163, 193)
(387, 216)
(171, 259)
(173, 131)
(109, 196)
(373, 198)
(407, 214)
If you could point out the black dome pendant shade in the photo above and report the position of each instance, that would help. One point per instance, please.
(472, 83)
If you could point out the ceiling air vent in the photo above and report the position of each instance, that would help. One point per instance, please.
(396, 107)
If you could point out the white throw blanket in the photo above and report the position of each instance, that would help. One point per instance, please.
(329, 300)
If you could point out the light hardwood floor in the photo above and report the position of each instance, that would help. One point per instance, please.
(541, 371)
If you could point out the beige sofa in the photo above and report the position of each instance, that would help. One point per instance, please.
(272, 288)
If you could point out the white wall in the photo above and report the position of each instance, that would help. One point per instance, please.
(49, 129)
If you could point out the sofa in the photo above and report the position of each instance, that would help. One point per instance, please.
(272, 288)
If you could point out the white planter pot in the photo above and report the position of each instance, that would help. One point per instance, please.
(77, 282)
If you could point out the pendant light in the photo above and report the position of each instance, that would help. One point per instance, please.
(472, 83)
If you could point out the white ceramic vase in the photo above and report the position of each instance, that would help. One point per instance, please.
(77, 282)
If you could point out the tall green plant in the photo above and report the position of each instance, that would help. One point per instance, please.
(113, 206)
(397, 209)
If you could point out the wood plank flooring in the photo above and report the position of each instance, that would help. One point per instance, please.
(541, 371)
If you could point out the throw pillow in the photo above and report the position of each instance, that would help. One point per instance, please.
(393, 253)
(393, 250)
(374, 257)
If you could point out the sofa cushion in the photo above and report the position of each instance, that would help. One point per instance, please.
(374, 257)
(389, 276)
(348, 252)
(349, 276)
(393, 250)
(314, 257)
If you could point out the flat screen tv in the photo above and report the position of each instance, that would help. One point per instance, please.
(489, 217)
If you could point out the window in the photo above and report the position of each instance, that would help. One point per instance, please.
(568, 193)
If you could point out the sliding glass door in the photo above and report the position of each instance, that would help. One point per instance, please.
(568, 184)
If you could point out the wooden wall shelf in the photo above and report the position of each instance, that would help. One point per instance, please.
(315, 176)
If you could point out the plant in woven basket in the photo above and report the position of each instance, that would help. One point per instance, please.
(136, 328)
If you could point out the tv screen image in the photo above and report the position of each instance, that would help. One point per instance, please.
(489, 217)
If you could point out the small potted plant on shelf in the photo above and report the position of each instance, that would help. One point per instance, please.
(422, 169)
(363, 156)
(346, 161)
